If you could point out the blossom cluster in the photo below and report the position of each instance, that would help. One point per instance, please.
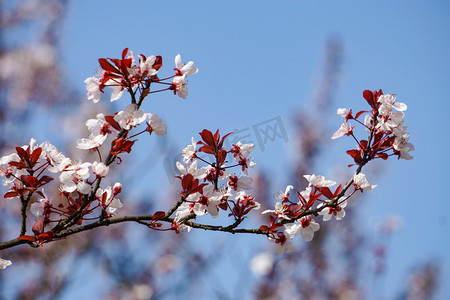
(211, 188)
(212, 177)
(82, 198)
(387, 137)
(27, 172)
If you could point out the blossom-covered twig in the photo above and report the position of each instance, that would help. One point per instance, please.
(212, 177)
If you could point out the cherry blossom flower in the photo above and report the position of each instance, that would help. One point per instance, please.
(146, 65)
(4, 263)
(246, 200)
(402, 145)
(130, 117)
(342, 112)
(183, 211)
(387, 103)
(108, 200)
(305, 227)
(117, 90)
(240, 183)
(319, 181)
(280, 211)
(361, 183)
(192, 169)
(344, 129)
(282, 244)
(38, 209)
(185, 69)
(93, 88)
(179, 86)
(52, 155)
(100, 169)
(8, 171)
(117, 188)
(73, 178)
(156, 125)
(206, 202)
(284, 196)
(328, 212)
(189, 152)
(242, 150)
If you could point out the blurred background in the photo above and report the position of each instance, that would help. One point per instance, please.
(274, 74)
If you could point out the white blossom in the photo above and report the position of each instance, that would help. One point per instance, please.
(4, 263)
(361, 182)
(156, 124)
(130, 117)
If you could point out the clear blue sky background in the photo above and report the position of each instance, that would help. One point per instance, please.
(260, 59)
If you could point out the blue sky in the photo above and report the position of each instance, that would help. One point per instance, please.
(259, 60)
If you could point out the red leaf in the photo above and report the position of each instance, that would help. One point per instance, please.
(223, 139)
(338, 190)
(23, 154)
(206, 149)
(383, 156)
(360, 113)
(107, 66)
(355, 154)
(158, 63)
(112, 122)
(46, 236)
(368, 95)
(11, 195)
(17, 164)
(326, 192)
(44, 180)
(27, 238)
(158, 215)
(124, 52)
(32, 181)
(207, 137)
(300, 197)
(221, 157)
(264, 228)
(35, 155)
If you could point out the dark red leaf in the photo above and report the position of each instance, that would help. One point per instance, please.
(11, 194)
(124, 53)
(326, 192)
(383, 156)
(206, 149)
(221, 157)
(112, 122)
(338, 190)
(44, 180)
(32, 181)
(35, 155)
(368, 95)
(27, 238)
(223, 139)
(158, 63)
(23, 154)
(107, 66)
(158, 215)
(300, 197)
(355, 154)
(17, 164)
(264, 228)
(360, 113)
(207, 137)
